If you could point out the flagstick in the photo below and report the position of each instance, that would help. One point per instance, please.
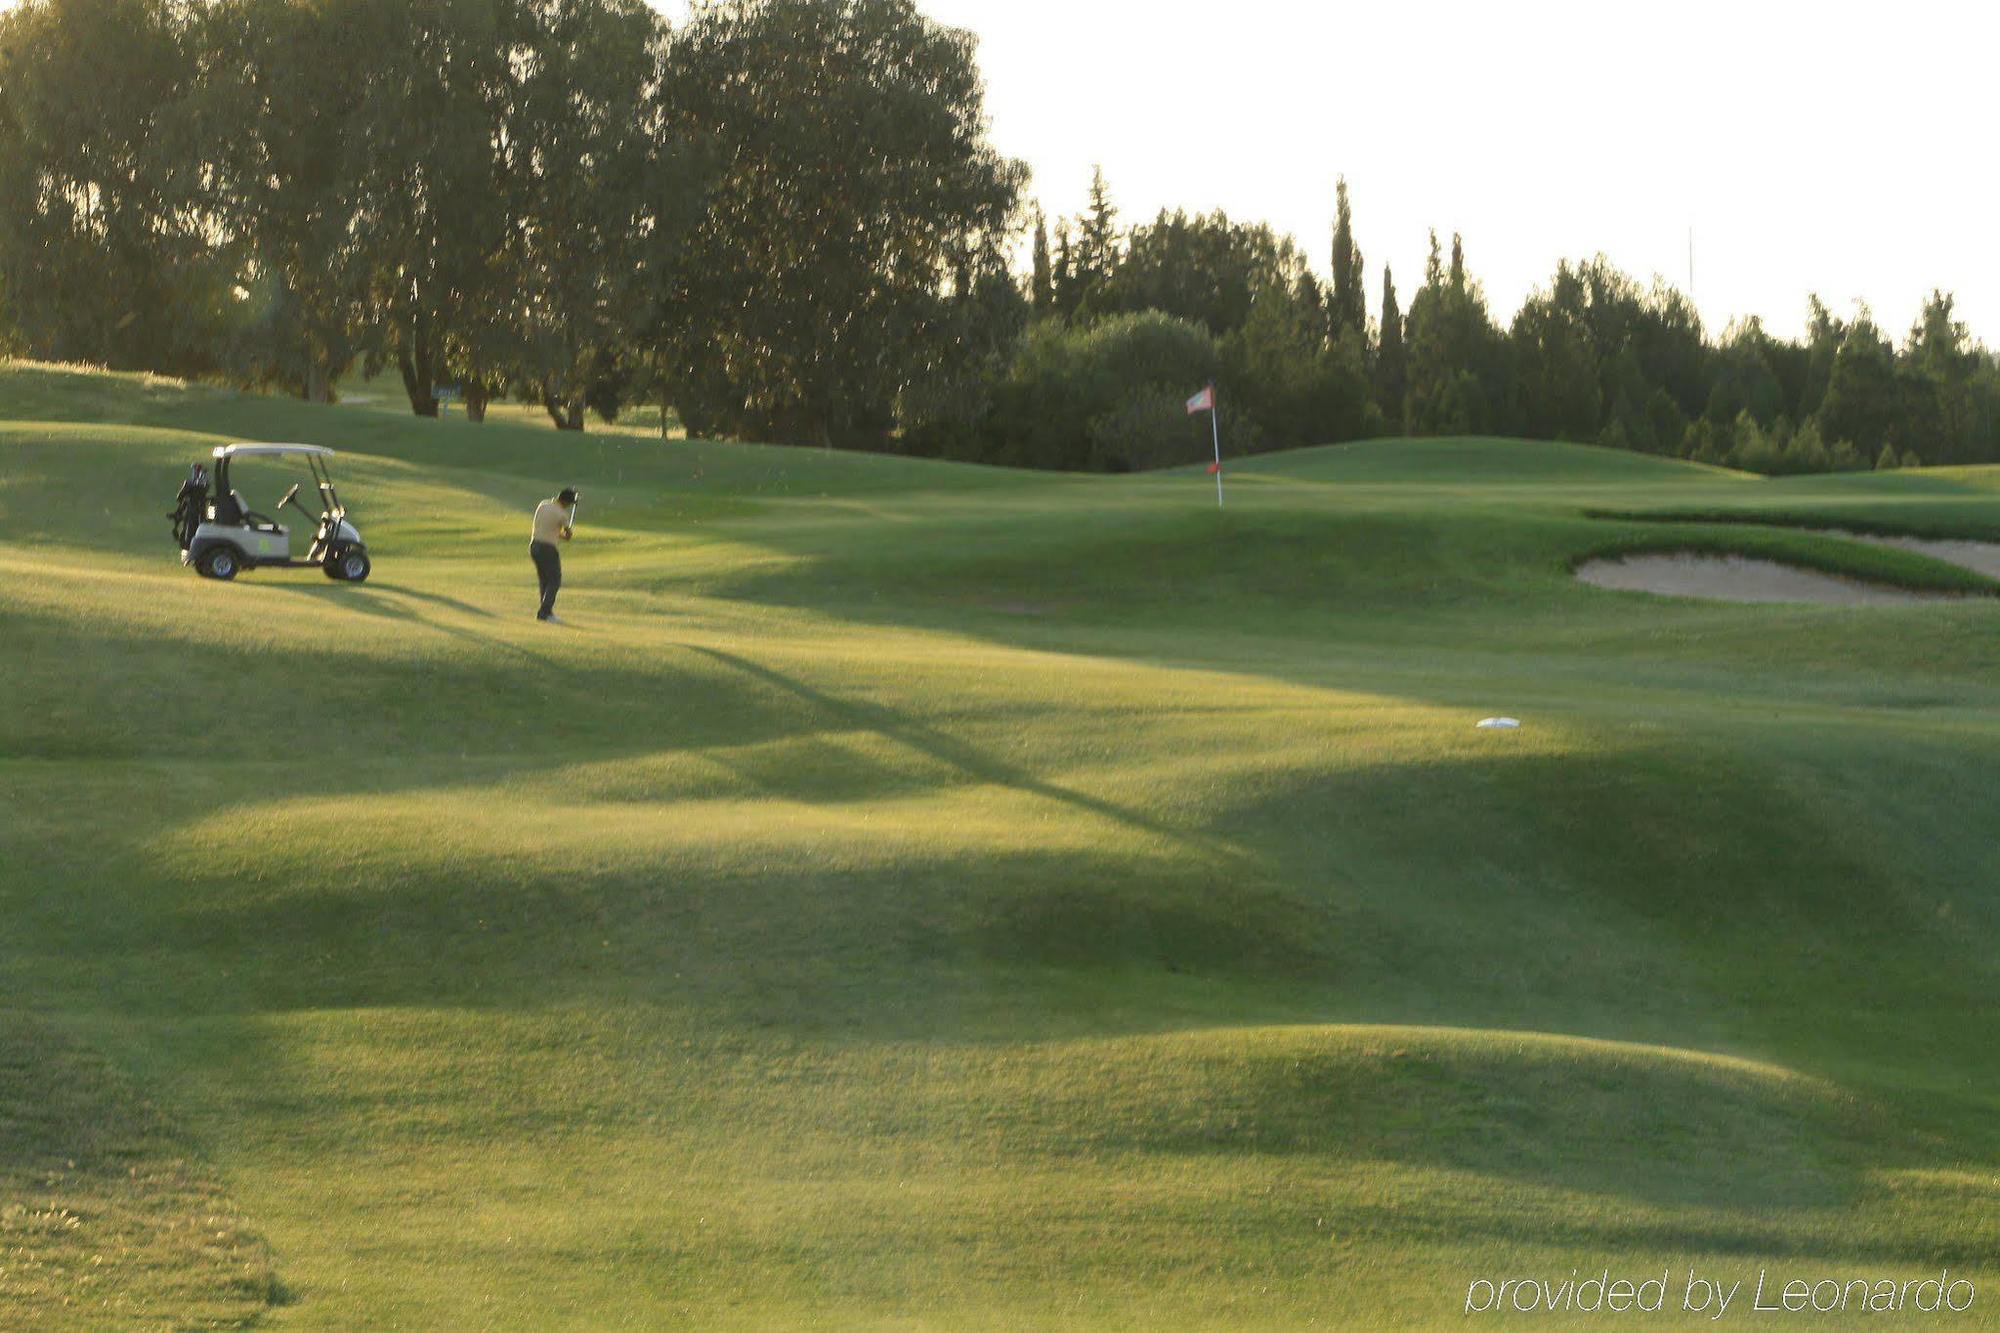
(1215, 425)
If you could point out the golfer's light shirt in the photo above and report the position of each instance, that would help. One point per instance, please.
(549, 520)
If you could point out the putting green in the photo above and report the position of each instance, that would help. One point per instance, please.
(925, 895)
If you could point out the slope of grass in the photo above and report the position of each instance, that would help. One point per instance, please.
(943, 896)
(107, 1213)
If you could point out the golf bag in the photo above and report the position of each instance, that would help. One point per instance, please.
(190, 506)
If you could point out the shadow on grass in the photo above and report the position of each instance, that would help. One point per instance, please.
(499, 708)
(108, 1213)
(958, 754)
(1638, 921)
(439, 599)
(372, 601)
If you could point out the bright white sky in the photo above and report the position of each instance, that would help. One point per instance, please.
(1831, 146)
(1812, 145)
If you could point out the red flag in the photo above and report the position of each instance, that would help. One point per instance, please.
(1203, 401)
(1214, 468)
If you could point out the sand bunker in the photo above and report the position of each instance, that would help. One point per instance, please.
(1980, 557)
(1736, 578)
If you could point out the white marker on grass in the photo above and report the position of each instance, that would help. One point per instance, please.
(1500, 724)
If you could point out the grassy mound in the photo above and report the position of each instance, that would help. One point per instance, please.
(937, 895)
(108, 1215)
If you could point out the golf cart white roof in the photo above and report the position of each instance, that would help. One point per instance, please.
(268, 450)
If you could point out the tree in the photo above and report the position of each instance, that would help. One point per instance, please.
(1556, 361)
(947, 412)
(598, 206)
(1703, 443)
(1663, 331)
(852, 178)
(438, 218)
(1097, 254)
(1062, 280)
(1824, 335)
(1743, 377)
(1300, 388)
(109, 250)
(1312, 300)
(1097, 396)
(1753, 450)
(1939, 344)
(1458, 374)
(1595, 356)
(1940, 363)
(1862, 402)
(292, 161)
(1042, 285)
(1204, 268)
(1350, 303)
(1391, 358)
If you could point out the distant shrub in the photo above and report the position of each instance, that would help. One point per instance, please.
(1777, 452)
(1152, 429)
(1702, 442)
(1149, 429)
(1098, 395)
(1751, 450)
(1665, 422)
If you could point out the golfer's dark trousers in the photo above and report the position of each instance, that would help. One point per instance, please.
(548, 568)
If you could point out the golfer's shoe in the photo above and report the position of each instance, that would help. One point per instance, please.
(552, 619)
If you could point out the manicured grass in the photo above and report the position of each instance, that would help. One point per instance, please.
(936, 896)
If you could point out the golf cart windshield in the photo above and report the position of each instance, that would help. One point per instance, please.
(225, 451)
(315, 456)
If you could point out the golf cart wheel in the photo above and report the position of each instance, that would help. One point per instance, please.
(352, 566)
(219, 562)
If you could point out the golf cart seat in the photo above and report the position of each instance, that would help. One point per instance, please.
(230, 509)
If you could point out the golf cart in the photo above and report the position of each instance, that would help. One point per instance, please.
(220, 535)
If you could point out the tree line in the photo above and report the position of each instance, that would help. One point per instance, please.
(786, 221)
(768, 216)
(1122, 319)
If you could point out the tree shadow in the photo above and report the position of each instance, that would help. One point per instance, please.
(370, 600)
(385, 723)
(436, 599)
(968, 759)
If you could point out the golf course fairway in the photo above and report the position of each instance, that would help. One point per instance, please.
(930, 896)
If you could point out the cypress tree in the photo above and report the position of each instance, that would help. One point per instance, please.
(1312, 300)
(1063, 277)
(1434, 265)
(1350, 304)
(1391, 365)
(1457, 262)
(1097, 238)
(1042, 290)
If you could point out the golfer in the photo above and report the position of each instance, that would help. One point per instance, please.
(552, 525)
